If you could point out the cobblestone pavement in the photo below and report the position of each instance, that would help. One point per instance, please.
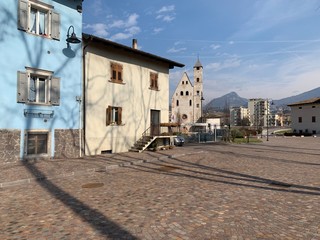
(206, 191)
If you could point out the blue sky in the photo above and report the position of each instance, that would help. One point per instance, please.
(257, 48)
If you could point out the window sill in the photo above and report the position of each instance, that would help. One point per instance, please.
(115, 125)
(46, 36)
(39, 104)
(154, 89)
(117, 82)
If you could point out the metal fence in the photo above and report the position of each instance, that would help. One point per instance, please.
(217, 135)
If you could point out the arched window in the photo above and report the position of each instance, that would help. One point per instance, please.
(177, 103)
(187, 93)
(190, 102)
(181, 93)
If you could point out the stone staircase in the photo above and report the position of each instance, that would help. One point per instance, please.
(142, 144)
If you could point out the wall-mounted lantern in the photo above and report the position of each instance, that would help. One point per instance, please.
(72, 38)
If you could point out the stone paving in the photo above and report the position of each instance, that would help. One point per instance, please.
(206, 191)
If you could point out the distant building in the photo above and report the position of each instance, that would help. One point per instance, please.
(305, 116)
(238, 115)
(259, 112)
(186, 102)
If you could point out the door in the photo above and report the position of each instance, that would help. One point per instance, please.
(155, 123)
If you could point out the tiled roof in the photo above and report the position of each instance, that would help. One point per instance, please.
(308, 101)
(106, 42)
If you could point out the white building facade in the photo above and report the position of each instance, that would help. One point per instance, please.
(305, 116)
(187, 99)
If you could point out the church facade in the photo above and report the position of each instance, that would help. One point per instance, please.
(186, 102)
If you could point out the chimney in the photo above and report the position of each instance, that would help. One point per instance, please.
(134, 43)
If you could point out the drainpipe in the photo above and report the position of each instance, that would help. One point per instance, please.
(84, 96)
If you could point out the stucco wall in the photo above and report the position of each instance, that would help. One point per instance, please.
(306, 112)
(20, 49)
(134, 96)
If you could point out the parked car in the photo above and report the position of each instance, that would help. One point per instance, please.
(178, 141)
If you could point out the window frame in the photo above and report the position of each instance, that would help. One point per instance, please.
(116, 70)
(51, 90)
(111, 118)
(28, 133)
(52, 18)
(154, 83)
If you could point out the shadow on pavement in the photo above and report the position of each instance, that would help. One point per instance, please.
(267, 184)
(93, 217)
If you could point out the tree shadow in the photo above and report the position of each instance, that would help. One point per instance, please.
(241, 179)
(96, 219)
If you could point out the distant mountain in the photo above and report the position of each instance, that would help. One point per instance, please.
(297, 98)
(227, 101)
(234, 100)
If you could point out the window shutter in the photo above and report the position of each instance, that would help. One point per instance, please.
(55, 91)
(22, 88)
(119, 116)
(23, 15)
(108, 115)
(55, 25)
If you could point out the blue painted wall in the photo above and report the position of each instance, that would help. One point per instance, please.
(20, 49)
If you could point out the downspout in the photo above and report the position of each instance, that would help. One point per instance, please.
(84, 94)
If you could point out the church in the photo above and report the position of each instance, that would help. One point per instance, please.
(186, 102)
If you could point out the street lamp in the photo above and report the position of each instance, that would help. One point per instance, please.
(202, 99)
(268, 109)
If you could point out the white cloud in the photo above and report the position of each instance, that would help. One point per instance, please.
(176, 50)
(233, 62)
(215, 46)
(165, 9)
(166, 13)
(119, 29)
(157, 30)
(99, 29)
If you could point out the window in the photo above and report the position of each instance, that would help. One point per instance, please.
(198, 93)
(37, 86)
(38, 18)
(190, 102)
(187, 93)
(313, 119)
(116, 73)
(313, 106)
(177, 103)
(181, 93)
(198, 105)
(300, 107)
(186, 82)
(198, 79)
(300, 119)
(154, 81)
(37, 143)
(182, 82)
(114, 116)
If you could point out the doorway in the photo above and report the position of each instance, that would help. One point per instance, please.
(155, 123)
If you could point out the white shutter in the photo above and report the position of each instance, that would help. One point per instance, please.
(55, 25)
(23, 15)
(55, 91)
(22, 87)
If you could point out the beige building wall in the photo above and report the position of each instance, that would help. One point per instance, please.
(309, 115)
(133, 96)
